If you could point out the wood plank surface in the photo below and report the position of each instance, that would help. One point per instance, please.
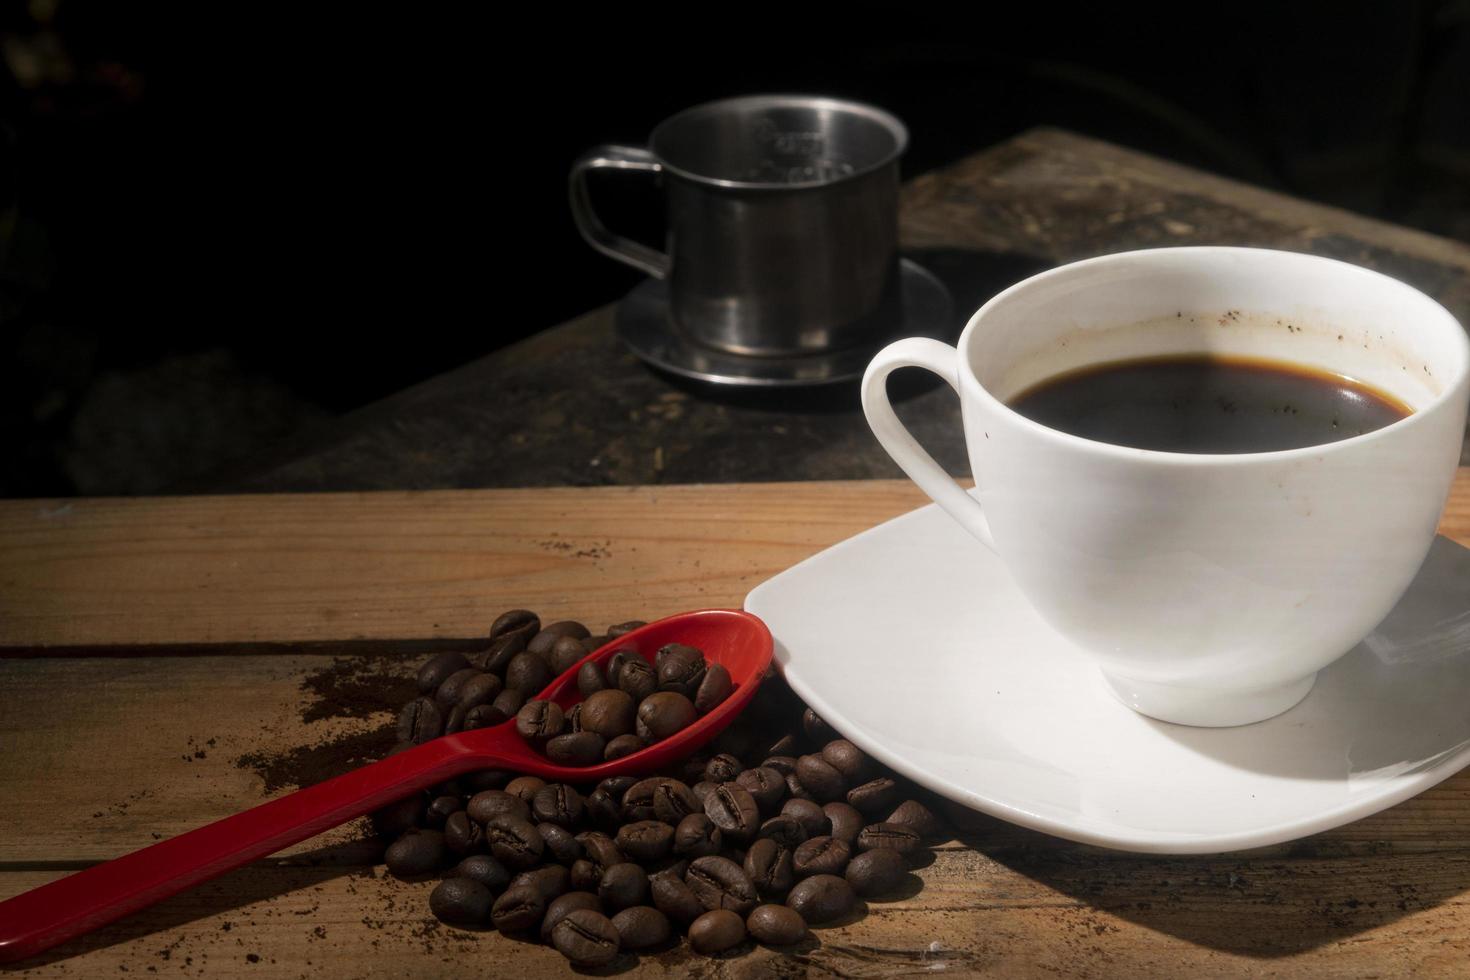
(274, 689)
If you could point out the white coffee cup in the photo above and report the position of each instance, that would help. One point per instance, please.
(1210, 588)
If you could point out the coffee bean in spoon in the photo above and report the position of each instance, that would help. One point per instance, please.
(714, 687)
(609, 713)
(539, 720)
(662, 714)
(623, 745)
(637, 678)
(591, 679)
(622, 629)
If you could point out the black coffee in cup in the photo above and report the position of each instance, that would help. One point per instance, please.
(1203, 403)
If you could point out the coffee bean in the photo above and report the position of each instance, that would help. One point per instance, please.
(518, 909)
(637, 678)
(621, 629)
(601, 809)
(584, 876)
(573, 717)
(491, 803)
(892, 837)
(460, 902)
(775, 925)
(590, 679)
(509, 701)
(796, 790)
(417, 852)
(822, 898)
(463, 835)
(600, 850)
(821, 856)
(447, 694)
(919, 818)
(646, 840)
(716, 931)
(539, 720)
(623, 886)
(769, 866)
(702, 790)
(581, 749)
(642, 926)
(713, 688)
(812, 818)
(586, 938)
(664, 713)
(521, 621)
(419, 721)
(481, 689)
(562, 906)
(734, 811)
(618, 785)
(784, 830)
(697, 836)
(399, 816)
(549, 880)
(846, 821)
(680, 669)
(483, 716)
(528, 674)
(484, 869)
(816, 729)
(592, 644)
(875, 797)
(514, 842)
(820, 778)
(720, 883)
(498, 655)
(525, 788)
(609, 713)
(561, 845)
(623, 745)
(673, 801)
(876, 872)
(440, 810)
(847, 759)
(615, 665)
(767, 786)
(673, 897)
(454, 722)
(557, 803)
(784, 764)
(564, 654)
(437, 669)
(723, 768)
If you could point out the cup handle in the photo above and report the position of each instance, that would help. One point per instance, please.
(943, 360)
(613, 157)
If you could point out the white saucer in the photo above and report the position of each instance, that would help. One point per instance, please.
(911, 640)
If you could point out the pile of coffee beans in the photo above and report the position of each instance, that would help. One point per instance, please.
(626, 707)
(779, 825)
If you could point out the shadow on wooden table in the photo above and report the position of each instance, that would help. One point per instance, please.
(1264, 904)
(257, 882)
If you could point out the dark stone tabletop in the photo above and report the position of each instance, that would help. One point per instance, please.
(570, 406)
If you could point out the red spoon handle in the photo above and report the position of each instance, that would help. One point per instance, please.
(45, 916)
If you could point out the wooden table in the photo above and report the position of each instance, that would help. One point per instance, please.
(571, 407)
(164, 662)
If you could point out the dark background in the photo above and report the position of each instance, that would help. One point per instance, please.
(221, 224)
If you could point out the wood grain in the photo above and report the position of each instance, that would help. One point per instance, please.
(235, 588)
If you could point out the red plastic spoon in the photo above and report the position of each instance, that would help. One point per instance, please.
(77, 904)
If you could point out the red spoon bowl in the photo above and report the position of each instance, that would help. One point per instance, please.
(44, 917)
